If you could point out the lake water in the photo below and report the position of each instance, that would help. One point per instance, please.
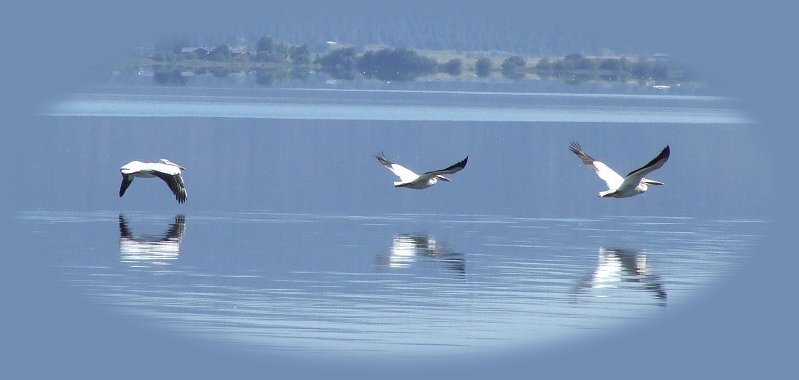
(294, 239)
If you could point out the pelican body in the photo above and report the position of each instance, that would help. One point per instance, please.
(166, 170)
(622, 187)
(411, 180)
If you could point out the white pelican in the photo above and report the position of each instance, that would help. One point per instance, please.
(141, 250)
(618, 186)
(164, 169)
(411, 180)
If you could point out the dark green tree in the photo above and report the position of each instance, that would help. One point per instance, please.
(220, 53)
(453, 67)
(265, 44)
(513, 67)
(300, 55)
(642, 70)
(483, 67)
(573, 62)
(544, 64)
(340, 63)
(612, 65)
(395, 64)
(544, 68)
(614, 69)
(267, 50)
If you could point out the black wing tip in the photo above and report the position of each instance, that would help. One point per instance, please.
(124, 185)
(459, 165)
(382, 159)
(181, 195)
(663, 155)
(575, 148)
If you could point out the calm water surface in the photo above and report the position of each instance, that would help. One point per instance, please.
(393, 283)
(293, 238)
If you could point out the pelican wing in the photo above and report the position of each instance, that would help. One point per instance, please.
(405, 174)
(653, 165)
(635, 176)
(611, 178)
(126, 181)
(175, 183)
(450, 170)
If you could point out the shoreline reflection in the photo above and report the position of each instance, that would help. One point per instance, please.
(150, 249)
(407, 249)
(617, 267)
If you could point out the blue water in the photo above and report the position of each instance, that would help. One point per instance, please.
(294, 239)
(395, 284)
(407, 105)
(241, 157)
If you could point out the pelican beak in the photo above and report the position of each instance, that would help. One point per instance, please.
(441, 177)
(651, 182)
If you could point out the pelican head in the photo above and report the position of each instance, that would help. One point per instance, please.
(130, 167)
(167, 162)
(441, 177)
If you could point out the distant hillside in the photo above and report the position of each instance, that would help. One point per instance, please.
(527, 31)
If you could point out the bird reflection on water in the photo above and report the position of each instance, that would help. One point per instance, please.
(150, 249)
(407, 249)
(617, 266)
(394, 292)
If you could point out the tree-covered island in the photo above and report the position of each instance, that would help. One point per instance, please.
(271, 61)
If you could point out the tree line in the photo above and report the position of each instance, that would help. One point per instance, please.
(402, 64)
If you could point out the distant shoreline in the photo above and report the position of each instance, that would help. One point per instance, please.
(273, 61)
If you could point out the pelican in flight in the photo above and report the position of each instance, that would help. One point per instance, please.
(411, 180)
(164, 169)
(622, 187)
